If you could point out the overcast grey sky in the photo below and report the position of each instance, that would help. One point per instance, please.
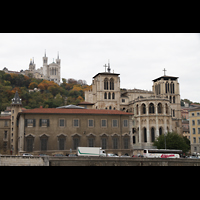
(137, 57)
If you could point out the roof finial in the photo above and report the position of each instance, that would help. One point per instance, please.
(105, 67)
(164, 71)
(109, 67)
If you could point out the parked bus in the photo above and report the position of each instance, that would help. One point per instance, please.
(161, 153)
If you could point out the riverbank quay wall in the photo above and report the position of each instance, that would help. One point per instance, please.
(94, 161)
(113, 161)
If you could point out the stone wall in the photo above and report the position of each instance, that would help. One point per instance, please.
(117, 161)
(23, 161)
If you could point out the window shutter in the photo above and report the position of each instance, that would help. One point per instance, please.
(25, 122)
(48, 123)
(40, 122)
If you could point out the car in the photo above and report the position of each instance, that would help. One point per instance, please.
(111, 155)
(27, 154)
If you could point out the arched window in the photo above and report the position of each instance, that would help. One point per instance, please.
(137, 110)
(172, 87)
(143, 108)
(105, 95)
(166, 108)
(110, 107)
(159, 108)
(174, 99)
(151, 108)
(109, 95)
(145, 134)
(105, 84)
(156, 89)
(111, 84)
(152, 135)
(166, 87)
(160, 131)
(113, 95)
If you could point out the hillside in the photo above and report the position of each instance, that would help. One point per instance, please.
(46, 93)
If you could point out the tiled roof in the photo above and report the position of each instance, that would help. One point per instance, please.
(73, 111)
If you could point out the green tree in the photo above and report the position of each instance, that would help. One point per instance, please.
(173, 141)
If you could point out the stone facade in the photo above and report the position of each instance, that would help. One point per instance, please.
(154, 112)
(57, 130)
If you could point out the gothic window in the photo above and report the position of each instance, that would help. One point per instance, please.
(105, 95)
(174, 99)
(111, 84)
(159, 108)
(105, 84)
(113, 95)
(151, 108)
(109, 95)
(160, 131)
(110, 107)
(166, 108)
(137, 110)
(143, 107)
(172, 87)
(166, 87)
(152, 134)
(145, 134)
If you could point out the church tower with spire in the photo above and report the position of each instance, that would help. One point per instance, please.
(16, 107)
(45, 66)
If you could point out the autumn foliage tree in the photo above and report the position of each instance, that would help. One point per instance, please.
(51, 95)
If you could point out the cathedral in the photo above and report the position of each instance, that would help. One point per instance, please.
(154, 112)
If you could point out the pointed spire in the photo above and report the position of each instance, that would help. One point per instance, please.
(45, 53)
(16, 99)
(58, 55)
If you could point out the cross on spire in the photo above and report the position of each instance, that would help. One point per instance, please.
(164, 71)
(105, 67)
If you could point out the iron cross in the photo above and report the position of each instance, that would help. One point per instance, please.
(164, 71)
(105, 67)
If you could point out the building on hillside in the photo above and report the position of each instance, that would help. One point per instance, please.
(50, 72)
(154, 112)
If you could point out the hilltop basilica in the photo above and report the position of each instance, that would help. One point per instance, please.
(50, 72)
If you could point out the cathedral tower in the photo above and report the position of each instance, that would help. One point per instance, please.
(105, 92)
(168, 87)
(16, 107)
